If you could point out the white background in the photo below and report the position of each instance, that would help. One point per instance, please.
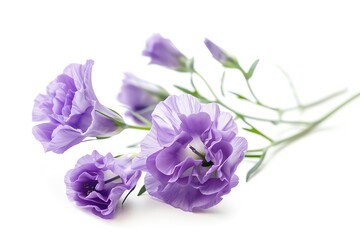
(309, 190)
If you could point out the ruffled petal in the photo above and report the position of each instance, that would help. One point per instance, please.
(63, 137)
(185, 197)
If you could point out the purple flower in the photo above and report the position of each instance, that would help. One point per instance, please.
(221, 55)
(163, 52)
(71, 111)
(190, 154)
(140, 96)
(97, 182)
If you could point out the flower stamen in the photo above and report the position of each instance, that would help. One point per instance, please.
(204, 163)
(91, 187)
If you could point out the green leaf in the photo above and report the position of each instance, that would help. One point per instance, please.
(256, 131)
(185, 90)
(142, 190)
(102, 138)
(240, 96)
(128, 195)
(195, 94)
(251, 70)
(222, 84)
(256, 166)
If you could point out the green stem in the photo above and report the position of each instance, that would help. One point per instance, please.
(316, 123)
(253, 156)
(242, 116)
(138, 127)
(292, 86)
(317, 102)
(207, 85)
(127, 195)
(255, 150)
(257, 101)
(298, 135)
(252, 93)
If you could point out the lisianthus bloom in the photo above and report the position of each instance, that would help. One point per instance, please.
(221, 55)
(163, 52)
(71, 111)
(140, 96)
(97, 182)
(190, 154)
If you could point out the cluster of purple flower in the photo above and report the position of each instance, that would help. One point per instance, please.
(190, 154)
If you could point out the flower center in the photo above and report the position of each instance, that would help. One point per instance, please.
(90, 186)
(196, 150)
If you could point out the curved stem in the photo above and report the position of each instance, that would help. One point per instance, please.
(207, 85)
(138, 127)
(298, 135)
(240, 115)
(252, 93)
(292, 86)
(317, 102)
(316, 123)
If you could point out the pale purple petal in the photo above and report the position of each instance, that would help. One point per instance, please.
(140, 96)
(89, 187)
(216, 51)
(190, 154)
(162, 51)
(72, 106)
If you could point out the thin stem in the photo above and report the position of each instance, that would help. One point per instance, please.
(298, 135)
(257, 101)
(252, 93)
(256, 150)
(253, 156)
(316, 123)
(292, 86)
(192, 81)
(242, 116)
(207, 85)
(317, 102)
(138, 127)
(127, 195)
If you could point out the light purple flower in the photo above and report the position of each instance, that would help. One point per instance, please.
(70, 111)
(140, 96)
(190, 154)
(97, 182)
(163, 52)
(221, 55)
